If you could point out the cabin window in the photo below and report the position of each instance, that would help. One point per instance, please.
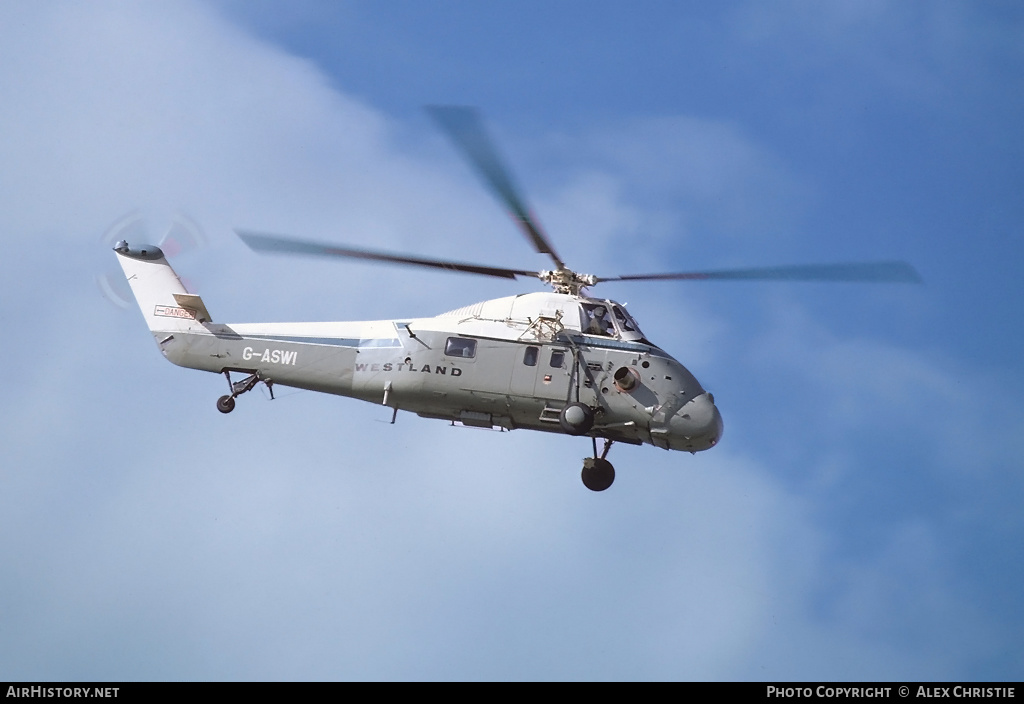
(558, 358)
(597, 320)
(460, 347)
(530, 356)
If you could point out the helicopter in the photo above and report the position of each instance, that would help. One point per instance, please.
(560, 361)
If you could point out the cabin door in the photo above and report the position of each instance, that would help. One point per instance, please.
(553, 368)
(542, 371)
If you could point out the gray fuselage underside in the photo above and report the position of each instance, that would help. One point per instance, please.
(493, 388)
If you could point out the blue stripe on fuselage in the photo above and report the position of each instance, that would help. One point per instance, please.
(332, 341)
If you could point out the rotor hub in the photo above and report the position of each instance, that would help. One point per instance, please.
(566, 280)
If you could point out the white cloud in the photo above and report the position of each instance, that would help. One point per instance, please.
(879, 390)
(684, 187)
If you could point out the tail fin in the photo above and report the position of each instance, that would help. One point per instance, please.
(166, 305)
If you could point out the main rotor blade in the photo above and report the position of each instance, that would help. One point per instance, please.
(871, 272)
(464, 127)
(262, 242)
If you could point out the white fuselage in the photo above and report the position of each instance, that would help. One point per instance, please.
(512, 362)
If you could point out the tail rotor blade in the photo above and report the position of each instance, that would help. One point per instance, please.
(183, 235)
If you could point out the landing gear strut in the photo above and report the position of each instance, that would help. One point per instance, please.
(226, 404)
(598, 473)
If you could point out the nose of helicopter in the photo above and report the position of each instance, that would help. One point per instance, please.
(718, 425)
(698, 425)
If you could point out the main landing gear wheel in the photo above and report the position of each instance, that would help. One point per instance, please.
(226, 404)
(598, 474)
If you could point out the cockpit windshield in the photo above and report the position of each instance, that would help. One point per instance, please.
(609, 319)
(626, 324)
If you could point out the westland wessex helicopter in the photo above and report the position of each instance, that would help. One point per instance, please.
(562, 362)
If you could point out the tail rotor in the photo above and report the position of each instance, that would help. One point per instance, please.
(181, 235)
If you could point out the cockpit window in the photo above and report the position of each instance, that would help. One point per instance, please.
(597, 320)
(460, 347)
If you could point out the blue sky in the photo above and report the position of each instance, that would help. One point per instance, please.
(859, 520)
